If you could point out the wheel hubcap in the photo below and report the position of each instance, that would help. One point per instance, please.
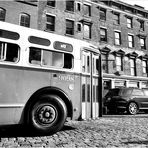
(133, 108)
(46, 114)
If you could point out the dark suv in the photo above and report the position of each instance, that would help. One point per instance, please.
(126, 99)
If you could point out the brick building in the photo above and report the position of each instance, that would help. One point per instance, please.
(123, 39)
(118, 29)
(71, 18)
(19, 12)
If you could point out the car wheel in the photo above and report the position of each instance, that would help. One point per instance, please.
(132, 108)
(48, 114)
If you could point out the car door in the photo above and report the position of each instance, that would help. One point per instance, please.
(140, 98)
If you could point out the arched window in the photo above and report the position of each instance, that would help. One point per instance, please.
(25, 20)
(2, 14)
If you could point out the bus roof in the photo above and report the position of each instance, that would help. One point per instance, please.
(24, 31)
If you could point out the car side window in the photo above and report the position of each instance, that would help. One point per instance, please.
(145, 92)
(137, 92)
(126, 92)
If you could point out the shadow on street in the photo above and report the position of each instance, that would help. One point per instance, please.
(10, 131)
(137, 142)
(125, 115)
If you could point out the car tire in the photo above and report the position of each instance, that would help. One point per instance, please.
(48, 114)
(132, 108)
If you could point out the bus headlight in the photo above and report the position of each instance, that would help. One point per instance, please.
(71, 86)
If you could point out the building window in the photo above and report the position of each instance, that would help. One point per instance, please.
(102, 14)
(70, 27)
(25, 20)
(104, 62)
(119, 63)
(79, 26)
(70, 5)
(78, 6)
(142, 43)
(129, 22)
(117, 38)
(130, 41)
(116, 19)
(86, 10)
(50, 23)
(87, 31)
(51, 3)
(141, 25)
(103, 34)
(144, 66)
(2, 14)
(133, 67)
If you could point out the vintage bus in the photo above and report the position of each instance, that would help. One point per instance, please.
(46, 78)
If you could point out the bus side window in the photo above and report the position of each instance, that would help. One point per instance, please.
(68, 61)
(12, 52)
(9, 52)
(97, 66)
(52, 59)
(57, 59)
(35, 56)
(2, 50)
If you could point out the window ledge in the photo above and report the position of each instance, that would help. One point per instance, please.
(53, 7)
(49, 30)
(68, 11)
(69, 35)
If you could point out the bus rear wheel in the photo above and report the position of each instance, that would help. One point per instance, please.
(48, 114)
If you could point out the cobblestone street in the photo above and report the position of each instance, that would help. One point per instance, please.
(108, 131)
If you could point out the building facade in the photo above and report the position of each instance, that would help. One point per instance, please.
(70, 18)
(118, 29)
(19, 12)
(124, 44)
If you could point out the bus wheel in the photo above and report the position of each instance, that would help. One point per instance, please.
(48, 114)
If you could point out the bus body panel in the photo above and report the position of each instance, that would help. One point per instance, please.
(12, 103)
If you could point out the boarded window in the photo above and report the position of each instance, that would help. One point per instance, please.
(39, 41)
(9, 35)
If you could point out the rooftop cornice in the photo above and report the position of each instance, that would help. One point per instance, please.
(134, 7)
(31, 2)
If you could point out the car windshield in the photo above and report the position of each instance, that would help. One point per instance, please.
(113, 92)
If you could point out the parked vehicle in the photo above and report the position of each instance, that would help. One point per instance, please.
(126, 99)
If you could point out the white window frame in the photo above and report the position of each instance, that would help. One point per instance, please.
(117, 38)
(133, 66)
(48, 14)
(131, 42)
(24, 23)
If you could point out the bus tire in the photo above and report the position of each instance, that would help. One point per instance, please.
(48, 114)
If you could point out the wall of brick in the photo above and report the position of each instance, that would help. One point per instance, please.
(13, 10)
(61, 14)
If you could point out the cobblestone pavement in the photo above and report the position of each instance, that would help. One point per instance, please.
(108, 131)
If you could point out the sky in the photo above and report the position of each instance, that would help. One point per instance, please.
(143, 3)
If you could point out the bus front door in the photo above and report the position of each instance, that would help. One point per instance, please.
(89, 81)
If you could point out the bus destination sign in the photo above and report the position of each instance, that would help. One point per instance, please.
(63, 46)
